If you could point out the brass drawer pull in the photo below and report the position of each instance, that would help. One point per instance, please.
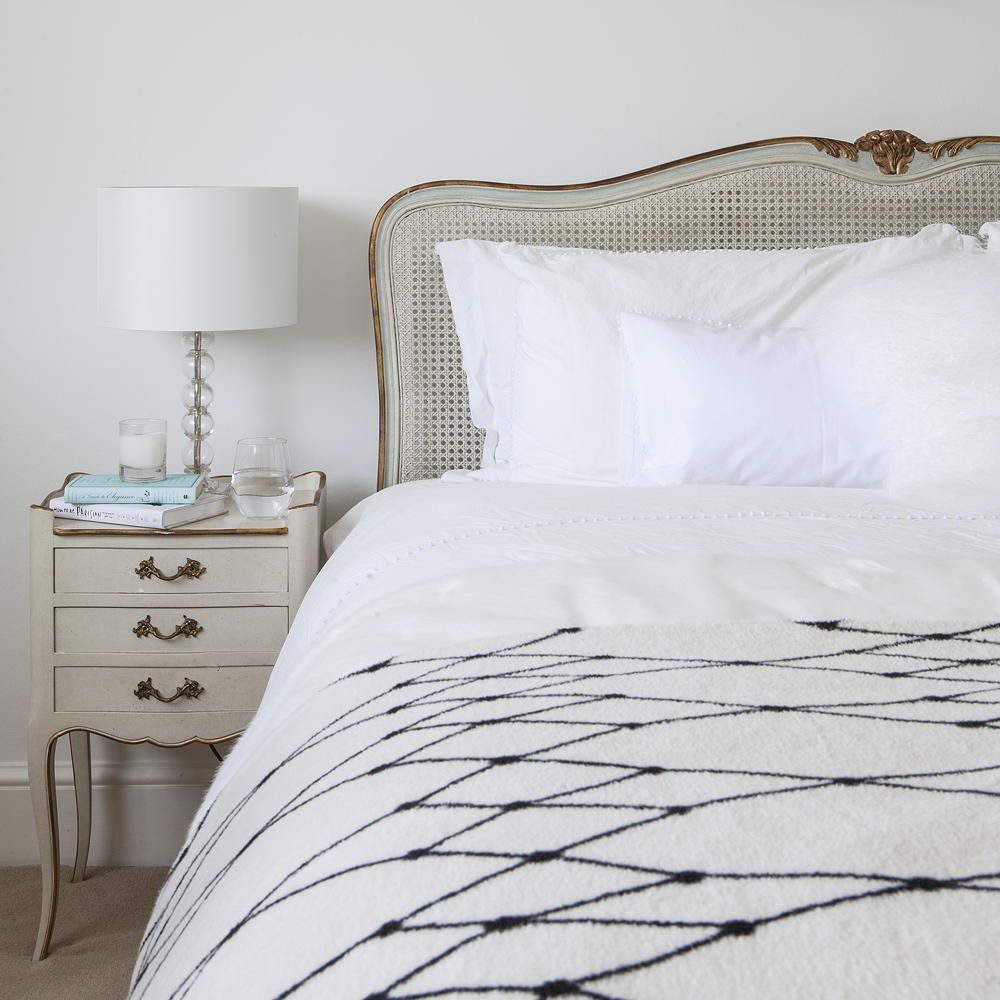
(188, 627)
(190, 689)
(192, 569)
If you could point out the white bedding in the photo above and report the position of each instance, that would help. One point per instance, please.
(433, 560)
(451, 789)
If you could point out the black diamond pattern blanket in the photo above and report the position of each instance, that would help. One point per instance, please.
(732, 810)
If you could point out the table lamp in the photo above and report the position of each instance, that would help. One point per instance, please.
(196, 260)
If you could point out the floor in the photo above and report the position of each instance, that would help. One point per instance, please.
(97, 933)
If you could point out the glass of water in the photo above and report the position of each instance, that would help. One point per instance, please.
(262, 477)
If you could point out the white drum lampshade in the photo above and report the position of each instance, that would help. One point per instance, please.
(197, 259)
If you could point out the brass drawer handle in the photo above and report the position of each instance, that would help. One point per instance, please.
(192, 569)
(188, 627)
(190, 689)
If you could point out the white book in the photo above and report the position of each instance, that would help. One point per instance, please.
(143, 515)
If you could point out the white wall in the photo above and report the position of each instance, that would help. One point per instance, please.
(351, 102)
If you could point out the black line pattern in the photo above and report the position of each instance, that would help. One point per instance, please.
(605, 813)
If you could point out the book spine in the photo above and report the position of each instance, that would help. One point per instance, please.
(129, 494)
(137, 518)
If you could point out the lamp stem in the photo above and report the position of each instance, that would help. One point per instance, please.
(198, 423)
(197, 401)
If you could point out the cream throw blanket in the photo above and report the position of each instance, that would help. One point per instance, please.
(729, 810)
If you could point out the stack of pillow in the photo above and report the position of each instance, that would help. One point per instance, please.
(865, 365)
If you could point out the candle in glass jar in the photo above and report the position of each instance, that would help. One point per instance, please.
(142, 449)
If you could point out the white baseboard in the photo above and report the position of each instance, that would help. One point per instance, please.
(141, 811)
(165, 771)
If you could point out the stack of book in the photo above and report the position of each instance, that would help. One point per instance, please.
(168, 503)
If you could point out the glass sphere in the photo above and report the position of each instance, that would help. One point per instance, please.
(207, 424)
(207, 364)
(187, 395)
(207, 339)
(207, 454)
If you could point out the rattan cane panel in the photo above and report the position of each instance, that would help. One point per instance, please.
(761, 208)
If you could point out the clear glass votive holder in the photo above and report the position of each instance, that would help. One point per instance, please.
(142, 449)
(262, 477)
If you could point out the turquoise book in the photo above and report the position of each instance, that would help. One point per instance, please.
(113, 489)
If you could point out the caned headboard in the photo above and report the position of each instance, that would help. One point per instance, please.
(793, 192)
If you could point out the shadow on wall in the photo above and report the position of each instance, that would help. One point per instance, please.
(336, 322)
(316, 383)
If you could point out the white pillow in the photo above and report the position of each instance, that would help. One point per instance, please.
(483, 294)
(935, 327)
(567, 388)
(746, 406)
(475, 285)
(989, 233)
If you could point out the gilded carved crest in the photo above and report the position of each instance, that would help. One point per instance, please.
(892, 150)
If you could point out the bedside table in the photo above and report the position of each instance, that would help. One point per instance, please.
(144, 636)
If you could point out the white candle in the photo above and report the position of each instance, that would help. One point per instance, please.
(142, 451)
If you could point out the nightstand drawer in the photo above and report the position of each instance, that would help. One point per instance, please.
(194, 571)
(202, 689)
(159, 631)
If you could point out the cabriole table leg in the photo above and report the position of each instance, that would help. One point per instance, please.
(79, 745)
(41, 776)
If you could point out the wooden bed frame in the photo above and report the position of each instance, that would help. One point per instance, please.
(776, 193)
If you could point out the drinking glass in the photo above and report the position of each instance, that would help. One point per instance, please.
(262, 477)
(142, 449)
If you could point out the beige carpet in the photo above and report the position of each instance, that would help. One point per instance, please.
(98, 926)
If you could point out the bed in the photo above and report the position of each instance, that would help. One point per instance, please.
(544, 741)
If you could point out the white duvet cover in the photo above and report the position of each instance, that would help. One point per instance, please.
(684, 576)
(432, 560)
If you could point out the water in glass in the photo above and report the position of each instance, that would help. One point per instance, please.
(262, 477)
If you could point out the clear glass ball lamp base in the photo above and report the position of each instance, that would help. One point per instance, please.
(197, 395)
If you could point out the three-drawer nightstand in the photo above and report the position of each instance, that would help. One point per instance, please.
(164, 637)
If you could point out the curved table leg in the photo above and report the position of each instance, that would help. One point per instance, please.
(41, 776)
(79, 745)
